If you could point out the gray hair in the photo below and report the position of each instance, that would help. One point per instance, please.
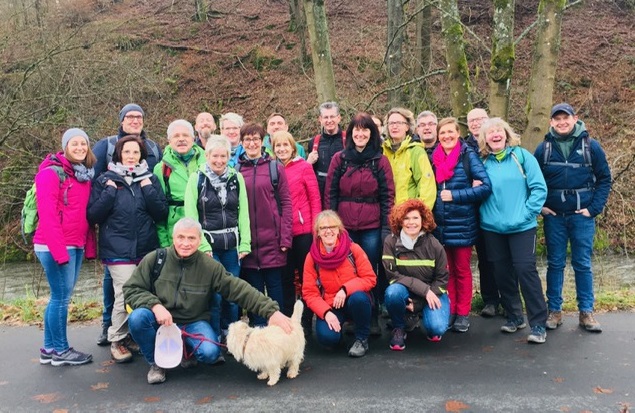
(427, 113)
(217, 142)
(180, 122)
(233, 118)
(187, 223)
(329, 105)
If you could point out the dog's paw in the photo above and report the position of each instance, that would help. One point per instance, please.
(263, 376)
(292, 374)
(272, 381)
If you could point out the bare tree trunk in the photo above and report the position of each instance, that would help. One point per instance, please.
(298, 26)
(503, 56)
(543, 71)
(424, 34)
(458, 71)
(201, 8)
(394, 41)
(317, 26)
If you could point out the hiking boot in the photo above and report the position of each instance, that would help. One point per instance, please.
(188, 363)
(538, 335)
(412, 321)
(156, 374)
(131, 344)
(554, 320)
(511, 326)
(375, 329)
(488, 311)
(102, 340)
(434, 339)
(120, 352)
(71, 357)
(588, 322)
(398, 340)
(46, 356)
(451, 321)
(359, 348)
(461, 324)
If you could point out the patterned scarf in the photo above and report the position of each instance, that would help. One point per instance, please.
(137, 172)
(218, 182)
(83, 174)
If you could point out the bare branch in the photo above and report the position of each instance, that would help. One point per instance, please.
(411, 81)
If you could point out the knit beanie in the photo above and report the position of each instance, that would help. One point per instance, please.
(129, 107)
(70, 134)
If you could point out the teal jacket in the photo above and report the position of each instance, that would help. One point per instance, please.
(175, 173)
(518, 192)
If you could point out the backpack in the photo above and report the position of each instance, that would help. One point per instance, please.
(112, 141)
(518, 158)
(586, 154)
(166, 171)
(29, 216)
(273, 175)
(159, 262)
(316, 141)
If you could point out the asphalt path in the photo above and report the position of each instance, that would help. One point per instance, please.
(479, 371)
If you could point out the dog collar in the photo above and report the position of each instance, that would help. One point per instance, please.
(245, 343)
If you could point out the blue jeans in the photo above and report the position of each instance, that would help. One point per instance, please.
(109, 297)
(225, 312)
(271, 278)
(371, 242)
(434, 321)
(357, 307)
(143, 328)
(61, 279)
(579, 231)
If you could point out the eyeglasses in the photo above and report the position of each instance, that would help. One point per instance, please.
(429, 124)
(251, 140)
(477, 120)
(133, 117)
(397, 123)
(331, 228)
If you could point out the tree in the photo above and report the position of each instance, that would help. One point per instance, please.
(423, 24)
(543, 70)
(394, 42)
(297, 25)
(458, 72)
(317, 26)
(502, 58)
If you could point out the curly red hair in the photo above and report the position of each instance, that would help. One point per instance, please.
(400, 211)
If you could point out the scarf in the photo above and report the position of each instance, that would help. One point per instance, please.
(83, 174)
(360, 158)
(218, 182)
(331, 260)
(137, 172)
(444, 164)
(186, 157)
(408, 242)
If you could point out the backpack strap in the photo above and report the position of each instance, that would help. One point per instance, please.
(273, 175)
(465, 158)
(112, 141)
(520, 160)
(153, 147)
(166, 171)
(350, 259)
(159, 262)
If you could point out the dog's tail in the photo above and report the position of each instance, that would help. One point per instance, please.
(297, 311)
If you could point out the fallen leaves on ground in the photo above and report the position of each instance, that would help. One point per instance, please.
(104, 370)
(600, 390)
(107, 363)
(565, 409)
(487, 349)
(99, 386)
(60, 411)
(151, 399)
(204, 400)
(558, 379)
(2, 383)
(47, 397)
(455, 406)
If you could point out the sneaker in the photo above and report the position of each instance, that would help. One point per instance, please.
(588, 322)
(188, 363)
(451, 320)
(461, 324)
(554, 320)
(120, 352)
(102, 340)
(375, 329)
(359, 348)
(538, 335)
(46, 356)
(219, 361)
(488, 311)
(511, 326)
(156, 374)
(71, 357)
(434, 339)
(131, 344)
(412, 321)
(398, 340)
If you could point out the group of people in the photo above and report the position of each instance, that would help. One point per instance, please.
(380, 217)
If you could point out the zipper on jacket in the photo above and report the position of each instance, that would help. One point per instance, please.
(178, 283)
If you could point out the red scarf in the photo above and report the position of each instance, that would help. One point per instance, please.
(444, 164)
(331, 260)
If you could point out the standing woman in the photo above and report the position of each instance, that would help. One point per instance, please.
(508, 220)
(63, 189)
(230, 124)
(360, 188)
(456, 166)
(305, 205)
(217, 198)
(270, 217)
(126, 201)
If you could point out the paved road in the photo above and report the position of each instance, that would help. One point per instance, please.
(480, 371)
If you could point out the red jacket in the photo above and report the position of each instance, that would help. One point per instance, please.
(333, 280)
(305, 195)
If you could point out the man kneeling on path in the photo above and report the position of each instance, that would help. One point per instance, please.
(182, 294)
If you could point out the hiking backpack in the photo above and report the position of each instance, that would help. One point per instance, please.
(112, 141)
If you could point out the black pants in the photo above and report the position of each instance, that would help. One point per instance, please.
(487, 281)
(295, 261)
(514, 260)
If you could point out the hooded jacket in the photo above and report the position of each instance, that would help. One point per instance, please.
(411, 171)
(305, 195)
(61, 208)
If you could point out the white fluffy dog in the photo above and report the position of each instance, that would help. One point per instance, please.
(268, 350)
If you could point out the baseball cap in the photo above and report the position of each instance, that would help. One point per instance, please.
(168, 347)
(562, 107)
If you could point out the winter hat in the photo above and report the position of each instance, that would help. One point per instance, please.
(562, 107)
(129, 107)
(70, 134)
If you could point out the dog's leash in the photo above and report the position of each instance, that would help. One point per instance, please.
(200, 337)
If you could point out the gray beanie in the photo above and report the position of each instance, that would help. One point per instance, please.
(70, 134)
(129, 107)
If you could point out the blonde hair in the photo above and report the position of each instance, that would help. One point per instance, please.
(284, 136)
(512, 138)
(217, 142)
(325, 215)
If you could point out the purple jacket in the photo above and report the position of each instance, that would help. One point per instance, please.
(269, 230)
(61, 210)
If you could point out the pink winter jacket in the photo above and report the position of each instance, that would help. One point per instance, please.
(305, 195)
(61, 210)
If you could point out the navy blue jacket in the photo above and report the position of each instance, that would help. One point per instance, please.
(101, 151)
(457, 221)
(586, 186)
(126, 216)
